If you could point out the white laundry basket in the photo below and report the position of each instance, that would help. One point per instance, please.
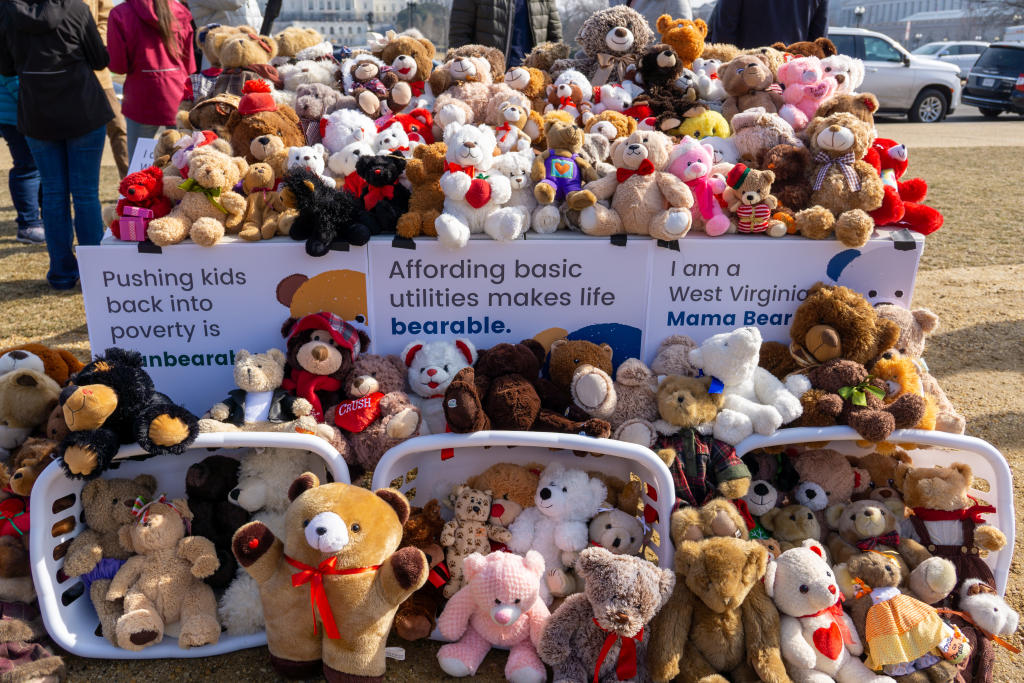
(431, 466)
(993, 482)
(67, 611)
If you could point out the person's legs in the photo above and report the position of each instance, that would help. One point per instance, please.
(51, 158)
(138, 130)
(117, 133)
(23, 182)
(84, 156)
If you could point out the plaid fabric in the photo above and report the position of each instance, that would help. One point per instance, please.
(701, 463)
(843, 162)
(202, 86)
(344, 334)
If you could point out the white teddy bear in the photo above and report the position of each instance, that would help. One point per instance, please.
(562, 88)
(755, 401)
(819, 641)
(312, 159)
(342, 165)
(848, 72)
(474, 201)
(263, 480)
(988, 609)
(394, 140)
(431, 369)
(516, 167)
(557, 524)
(708, 86)
(612, 97)
(344, 126)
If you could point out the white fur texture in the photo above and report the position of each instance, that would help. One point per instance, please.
(850, 68)
(345, 126)
(343, 162)
(312, 159)
(391, 139)
(431, 369)
(515, 166)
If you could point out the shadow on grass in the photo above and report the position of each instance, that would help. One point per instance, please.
(995, 346)
(1005, 425)
(66, 337)
(13, 290)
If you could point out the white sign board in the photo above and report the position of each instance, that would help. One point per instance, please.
(717, 284)
(575, 286)
(142, 157)
(189, 309)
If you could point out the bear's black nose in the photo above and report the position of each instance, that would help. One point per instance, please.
(18, 355)
(476, 508)
(811, 493)
(264, 140)
(321, 530)
(620, 32)
(760, 489)
(234, 494)
(545, 493)
(616, 542)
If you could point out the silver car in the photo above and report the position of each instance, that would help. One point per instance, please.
(963, 53)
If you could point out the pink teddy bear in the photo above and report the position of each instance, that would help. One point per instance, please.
(499, 605)
(807, 87)
(691, 162)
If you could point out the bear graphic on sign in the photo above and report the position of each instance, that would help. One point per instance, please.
(883, 274)
(341, 292)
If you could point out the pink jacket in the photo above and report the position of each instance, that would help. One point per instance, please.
(155, 80)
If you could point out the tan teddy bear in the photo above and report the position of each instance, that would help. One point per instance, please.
(411, 59)
(611, 124)
(530, 81)
(293, 40)
(207, 205)
(746, 80)
(162, 584)
(791, 525)
(468, 533)
(645, 200)
(263, 204)
(749, 195)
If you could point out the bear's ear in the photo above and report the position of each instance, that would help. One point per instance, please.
(146, 481)
(861, 479)
(598, 491)
(364, 341)
(472, 564)
(556, 344)
(534, 562)
(815, 547)
(410, 352)
(688, 557)
(467, 350)
(756, 562)
(833, 514)
(277, 355)
(902, 456)
(869, 101)
(607, 351)
(926, 320)
(592, 559)
(304, 482)
(183, 509)
(286, 328)
(964, 471)
(827, 46)
(888, 334)
(124, 537)
(769, 577)
(702, 27)
(397, 501)
(899, 475)
(666, 583)
(664, 23)
(768, 519)
(93, 491)
(429, 47)
(242, 354)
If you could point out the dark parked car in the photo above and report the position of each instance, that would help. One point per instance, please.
(993, 79)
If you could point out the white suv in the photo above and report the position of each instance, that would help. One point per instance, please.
(924, 89)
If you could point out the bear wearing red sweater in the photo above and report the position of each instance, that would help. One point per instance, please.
(144, 189)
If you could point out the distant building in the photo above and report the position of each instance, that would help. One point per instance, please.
(915, 22)
(342, 22)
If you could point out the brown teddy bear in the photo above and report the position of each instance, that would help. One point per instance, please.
(879, 479)
(746, 80)
(27, 397)
(358, 532)
(17, 476)
(426, 202)
(271, 150)
(611, 124)
(544, 55)
(685, 37)
(621, 596)
(863, 106)
(207, 205)
(213, 114)
(819, 47)
(914, 328)
(789, 164)
(244, 56)
(469, 532)
(411, 60)
(826, 477)
(719, 621)
(644, 198)
(791, 525)
(293, 40)
(263, 204)
(257, 115)
(559, 171)
(723, 52)
(506, 481)
(565, 358)
(901, 376)
(748, 194)
(58, 364)
(363, 77)
(417, 616)
(775, 58)
(531, 82)
(844, 187)
(612, 41)
(717, 517)
(162, 583)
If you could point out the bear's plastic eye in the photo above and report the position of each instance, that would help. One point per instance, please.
(810, 516)
(305, 523)
(356, 528)
(576, 360)
(804, 588)
(872, 293)
(871, 484)
(631, 539)
(518, 600)
(446, 368)
(828, 574)
(114, 502)
(607, 526)
(892, 483)
(792, 518)
(497, 601)
(565, 490)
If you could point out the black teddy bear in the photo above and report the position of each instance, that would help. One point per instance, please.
(111, 402)
(669, 103)
(325, 215)
(208, 484)
(384, 200)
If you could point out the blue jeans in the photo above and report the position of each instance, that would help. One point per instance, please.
(138, 130)
(23, 178)
(71, 172)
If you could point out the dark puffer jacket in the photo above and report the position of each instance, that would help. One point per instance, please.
(489, 22)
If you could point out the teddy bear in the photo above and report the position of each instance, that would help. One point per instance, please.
(844, 186)
(58, 364)
(257, 114)
(989, 611)
(819, 47)
(691, 161)
(507, 481)
(614, 97)
(621, 597)
(848, 72)
(571, 93)
(342, 165)
(716, 518)
(702, 467)
(901, 376)
(344, 126)
(112, 402)
(926, 648)
(207, 205)
(162, 583)
(465, 83)
(755, 131)
(272, 151)
(791, 525)
(618, 532)
(418, 125)
(261, 492)
(502, 390)
(644, 198)
(845, 392)
(914, 328)
(364, 77)
(531, 82)
(426, 200)
(264, 208)
(377, 414)
(474, 201)
(559, 172)
(659, 69)
(611, 124)
(747, 80)
(312, 159)
(431, 368)
(510, 120)
(499, 605)
(411, 60)
(709, 86)
(17, 477)
(805, 86)
(321, 349)
(565, 501)
(516, 167)
(612, 40)
(323, 215)
(469, 532)
(96, 554)
(142, 189)
(354, 534)
(789, 164)
(214, 517)
(824, 477)
(718, 620)
(213, 114)
(685, 37)
(817, 637)
(879, 471)
(635, 416)
(27, 397)
(893, 160)
(748, 195)
(313, 101)
(384, 199)
(243, 56)
(293, 39)
(392, 140)
(753, 400)
(417, 615)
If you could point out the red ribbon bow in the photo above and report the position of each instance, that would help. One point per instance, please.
(625, 667)
(264, 45)
(375, 194)
(566, 102)
(354, 184)
(835, 612)
(646, 168)
(972, 513)
(317, 594)
(455, 168)
(416, 87)
(305, 384)
(891, 539)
